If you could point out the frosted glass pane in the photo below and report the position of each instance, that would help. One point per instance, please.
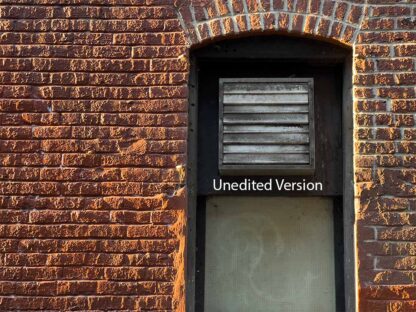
(269, 254)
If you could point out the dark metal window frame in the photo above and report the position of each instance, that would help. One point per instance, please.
(297, 48)
(258, 169)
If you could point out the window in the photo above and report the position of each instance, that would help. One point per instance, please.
(255, 270)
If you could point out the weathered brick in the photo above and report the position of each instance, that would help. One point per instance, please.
(388, 134)
(94, 117)
(395, 65)
(391, 10)
(363, 65)
(379, 23)
(396, 93)
(404, 106)
(405, 50)
(297, 23)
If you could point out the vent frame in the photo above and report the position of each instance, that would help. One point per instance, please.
(268, 169)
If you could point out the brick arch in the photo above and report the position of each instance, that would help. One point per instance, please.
(204, 20)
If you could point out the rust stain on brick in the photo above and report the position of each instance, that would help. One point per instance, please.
(179, 229)
(139, 147)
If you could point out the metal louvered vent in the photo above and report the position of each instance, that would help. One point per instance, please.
(266, 126)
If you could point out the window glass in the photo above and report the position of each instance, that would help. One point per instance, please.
(269, 254)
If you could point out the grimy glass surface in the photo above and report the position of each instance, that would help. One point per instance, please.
(269, 254)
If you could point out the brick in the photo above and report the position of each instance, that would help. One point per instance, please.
(391, 11)
(370, 105)
(283, 21)
(341, 11)
(404, 120)
(393, 292)
(363, 175)
(160, 302)
(395, 65)
(81, 160)
(328, 7)
(389, 161)
(384, 120)
(120, 288)
(407, 23)
(255, 24)
(229, 23)
(323, 27)
(404, 106)
(290, 5)
(405, 79)
(111, 302)
(409, 161)
(385, 37)
(364, 80)
(355, 14)
(395, 233)
(52, 132)
(405, 50)
(301, 6)
(94, 117)
(365, 161)
(396, 93)
(406, 147)
(372, 50)
(77, 287)
(363, 93)
(297, 23)
(157, 246)
(348, 34)
(79, 245)
(364, 66)
(29, 188)
(314, 6)
(310, 24)
(409, 134)
(364, 120)
(387, 204)
(388, 134)
(364, 134)
(130, 217)
(379, 23)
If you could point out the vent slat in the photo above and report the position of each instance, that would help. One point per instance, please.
(265, 118)
(266, 122)
(265, 87)
(266, 158)
(281, 103)
(265, 129)
(263, 109)
(266, 149)
(265, 98)
(260, 92)
(264, 138)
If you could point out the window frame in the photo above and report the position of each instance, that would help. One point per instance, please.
(283, 48)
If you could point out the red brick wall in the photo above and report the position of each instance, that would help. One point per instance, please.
(93, 108)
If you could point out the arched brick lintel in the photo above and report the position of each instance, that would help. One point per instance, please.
(329, 20)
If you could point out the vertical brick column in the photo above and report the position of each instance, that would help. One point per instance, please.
(385, 102)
